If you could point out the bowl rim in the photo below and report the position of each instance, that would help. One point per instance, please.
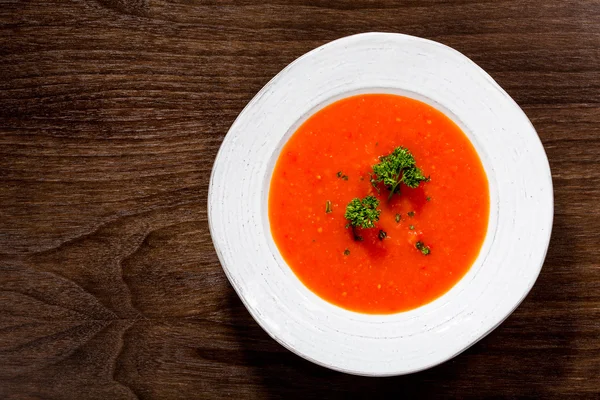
(235, 283)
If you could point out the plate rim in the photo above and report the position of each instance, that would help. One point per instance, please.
(471, 341)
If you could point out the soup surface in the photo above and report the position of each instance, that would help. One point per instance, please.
(327, 162)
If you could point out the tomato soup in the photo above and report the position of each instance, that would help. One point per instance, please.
(327, 162)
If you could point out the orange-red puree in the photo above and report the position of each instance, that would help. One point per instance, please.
(450, 211)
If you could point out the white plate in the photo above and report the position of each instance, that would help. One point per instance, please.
(513, 252)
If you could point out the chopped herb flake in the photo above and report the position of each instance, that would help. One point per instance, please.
(347, 252)
(412, 227)
(422, 248)
(382, 234)
(398, 217)
(411, 214)
(328, 207)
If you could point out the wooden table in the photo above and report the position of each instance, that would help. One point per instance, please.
(111, 114)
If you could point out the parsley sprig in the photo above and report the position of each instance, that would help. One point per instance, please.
(396, 168)
(362, 213)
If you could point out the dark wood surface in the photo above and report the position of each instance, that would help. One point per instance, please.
(111, 114)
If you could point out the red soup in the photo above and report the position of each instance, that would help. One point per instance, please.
(328, 162)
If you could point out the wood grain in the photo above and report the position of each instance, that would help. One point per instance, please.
(111, 114)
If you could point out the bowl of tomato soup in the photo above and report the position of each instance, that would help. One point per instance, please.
(328, 161)
(376, 213)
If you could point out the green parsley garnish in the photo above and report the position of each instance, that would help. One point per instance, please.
(382, 234)
(398, 217)
(428, 198)
(422, 248)
(328, 207)
(411, 214)
(342, 175)
(362, 213)
(347, 252)
(396, 168)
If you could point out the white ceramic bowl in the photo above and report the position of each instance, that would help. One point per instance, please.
(521, 206)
